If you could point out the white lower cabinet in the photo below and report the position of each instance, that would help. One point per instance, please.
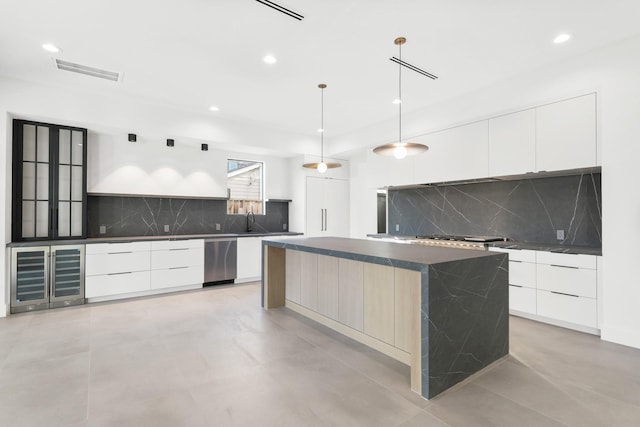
(568, 308)
(177, 263)
(554, 287)
(249, 267)
(117, 268)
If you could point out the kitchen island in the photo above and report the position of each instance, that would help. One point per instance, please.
(444, 312)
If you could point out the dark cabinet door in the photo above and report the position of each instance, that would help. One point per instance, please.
(49, 181)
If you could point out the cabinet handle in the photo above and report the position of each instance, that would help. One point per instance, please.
(177, 268)
(321, 219)
(516, 286)
(325, 220)
(116, 274)
(567, 295)
(563, 266)
(116, 253)
(515, 260)
(179, 249)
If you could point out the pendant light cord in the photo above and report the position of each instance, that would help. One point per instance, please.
(322, 125)
(400, 93)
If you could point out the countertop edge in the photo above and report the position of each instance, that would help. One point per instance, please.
(93, 240)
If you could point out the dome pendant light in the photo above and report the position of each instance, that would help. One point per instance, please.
(400, 149)
(322, 166)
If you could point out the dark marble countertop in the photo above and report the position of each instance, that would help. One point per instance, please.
(148, 238)
(413, 257)
(509, 244)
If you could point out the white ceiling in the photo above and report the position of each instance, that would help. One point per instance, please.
(191, 54)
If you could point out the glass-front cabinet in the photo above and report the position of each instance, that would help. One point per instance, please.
(49, 181)
(46, 277)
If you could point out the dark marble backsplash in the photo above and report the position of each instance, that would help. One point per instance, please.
(525, 210)
(125, 216)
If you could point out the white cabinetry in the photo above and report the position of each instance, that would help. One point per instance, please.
(567, 288)
(122, 270)
(117, 268)
(553, 287)
(327, 207)
(177, 263)
(454, 154)
(249, 266)
(522, 280)
(566, 134)
(512, 143)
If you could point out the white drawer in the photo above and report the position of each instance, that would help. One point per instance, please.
(578, 310)
(522, 274)
(567, 280)
(569, 260)
(522, 299)
(173, 277)
(522, 255)
(171, 258)
(105, 248)
(123, 262)
(116, 284)
(176, 244)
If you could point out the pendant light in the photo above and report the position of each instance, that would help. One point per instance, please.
(322, 166)
(400, 149)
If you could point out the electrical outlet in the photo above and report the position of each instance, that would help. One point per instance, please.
(166, 228)
(284, 227)
(103, 229)
(560, 234)
(397, 227)
(217, 227)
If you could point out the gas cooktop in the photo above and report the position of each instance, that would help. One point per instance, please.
(479, 239)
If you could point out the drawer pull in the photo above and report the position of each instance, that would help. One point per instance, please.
(116, 274)
(177, 268)
(567, 295)
(515, 260)
(516, 286)
(179, 249)
(117, 253)
(564, 266)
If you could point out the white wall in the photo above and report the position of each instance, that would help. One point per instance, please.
(611, 72)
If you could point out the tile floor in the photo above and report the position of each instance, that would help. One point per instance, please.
(215, 358)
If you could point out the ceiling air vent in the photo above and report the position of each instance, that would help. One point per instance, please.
(281, 9)
(89, 71)
(414, 68)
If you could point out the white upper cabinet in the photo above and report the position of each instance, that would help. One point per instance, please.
(566, 134)
(512, 143)
(454, 154)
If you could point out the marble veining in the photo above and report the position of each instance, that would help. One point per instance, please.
(147, 216)
(525, 210)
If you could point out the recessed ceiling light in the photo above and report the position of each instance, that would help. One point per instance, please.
(214, 108)
(397, 101)
(561, 38)
(51, 48)
(270, 59)
(320, 130)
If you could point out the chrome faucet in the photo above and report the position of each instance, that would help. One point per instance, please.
(250, 221)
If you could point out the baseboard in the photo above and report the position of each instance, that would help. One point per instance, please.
(556, 322)
(623, 336)
(144, 293)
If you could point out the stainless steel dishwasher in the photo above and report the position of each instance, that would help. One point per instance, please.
(220, 260)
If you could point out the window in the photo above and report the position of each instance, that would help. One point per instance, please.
(245, 184)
